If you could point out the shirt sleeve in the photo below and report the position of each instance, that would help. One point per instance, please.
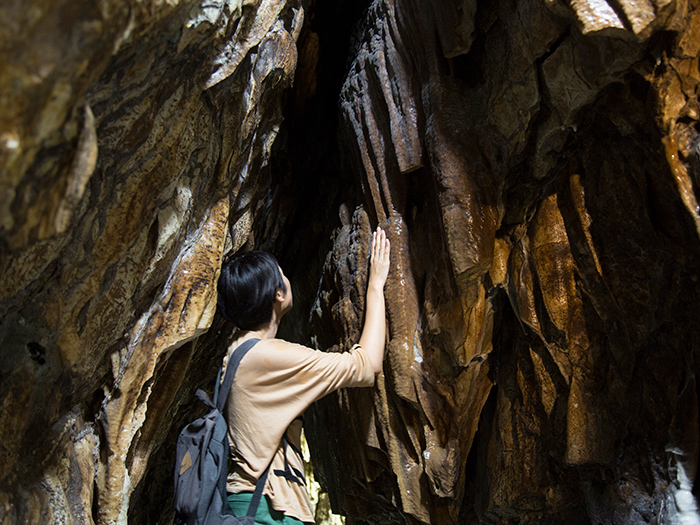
(312, 373)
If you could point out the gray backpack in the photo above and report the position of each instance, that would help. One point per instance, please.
(201, 460)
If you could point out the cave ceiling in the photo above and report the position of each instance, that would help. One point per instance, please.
(534, 162)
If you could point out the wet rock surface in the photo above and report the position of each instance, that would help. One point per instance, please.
(534, 163)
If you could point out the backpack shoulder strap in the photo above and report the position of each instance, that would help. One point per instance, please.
(220, 396)
(257, 494)
(221, 393)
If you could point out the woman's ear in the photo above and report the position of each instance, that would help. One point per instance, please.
(279, 296)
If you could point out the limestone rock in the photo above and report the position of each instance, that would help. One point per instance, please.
(544, 226)
(126, 165)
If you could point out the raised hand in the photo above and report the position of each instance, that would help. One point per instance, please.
(379, 258)
(374, 330)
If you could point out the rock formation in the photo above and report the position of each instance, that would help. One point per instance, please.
(534, 162)
(136, 139)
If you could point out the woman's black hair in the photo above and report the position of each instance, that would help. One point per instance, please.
(247, 287)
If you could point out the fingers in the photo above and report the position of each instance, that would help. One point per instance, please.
(380, 246)
(378, 240)
(379, 237)
(379, 258)
(383, 252)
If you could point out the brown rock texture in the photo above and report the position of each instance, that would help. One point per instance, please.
(535, 163)
(526, 160)
(128, 168)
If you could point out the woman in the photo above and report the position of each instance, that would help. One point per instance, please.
(277, 381)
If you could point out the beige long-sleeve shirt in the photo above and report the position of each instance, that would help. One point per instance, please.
(275, 383)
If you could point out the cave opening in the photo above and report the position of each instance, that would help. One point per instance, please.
(310, 178)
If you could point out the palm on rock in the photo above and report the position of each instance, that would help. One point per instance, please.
(379, 258)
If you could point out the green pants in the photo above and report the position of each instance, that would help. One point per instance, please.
(265, 515)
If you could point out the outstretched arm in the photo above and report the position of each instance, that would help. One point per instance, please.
(374, 329)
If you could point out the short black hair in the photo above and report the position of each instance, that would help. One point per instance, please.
(247, 287)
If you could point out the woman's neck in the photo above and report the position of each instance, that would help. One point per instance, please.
(267, 331)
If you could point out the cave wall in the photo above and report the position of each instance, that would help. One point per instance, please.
(135, 143)
(535, 165)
